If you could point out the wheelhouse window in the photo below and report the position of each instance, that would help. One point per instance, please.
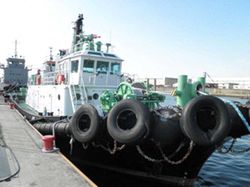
(94, 53)
(102, 67)
(109, 55)
(88, 66)
(74, 66)
(115, 68)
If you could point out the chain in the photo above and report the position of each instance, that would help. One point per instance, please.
(85, 145)
(71, 141)
(111, 151)
(191, 145)
(146, 156)
(165, 158)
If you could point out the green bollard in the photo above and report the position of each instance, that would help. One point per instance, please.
(186, 91)
(182, 91)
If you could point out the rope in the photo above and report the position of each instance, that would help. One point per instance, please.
(18, 165)
(223, 149)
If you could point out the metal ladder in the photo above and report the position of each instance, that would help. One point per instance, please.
(81, 90)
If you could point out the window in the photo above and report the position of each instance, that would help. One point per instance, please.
(74, 66)
(94, 53)
(109, 55)
(115, 68)
(102, 67)
(88, 66)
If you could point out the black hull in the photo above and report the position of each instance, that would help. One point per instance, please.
(130, 161)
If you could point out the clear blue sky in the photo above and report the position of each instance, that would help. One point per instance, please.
(156, 38)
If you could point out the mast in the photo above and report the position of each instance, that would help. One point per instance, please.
(15, 48)
(50, 53)
(77, 31)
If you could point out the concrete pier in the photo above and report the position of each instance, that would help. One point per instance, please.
(243, 94)
(20, 152)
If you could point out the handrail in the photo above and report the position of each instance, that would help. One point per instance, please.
(49, 78)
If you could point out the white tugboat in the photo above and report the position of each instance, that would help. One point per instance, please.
(121, 126)
(76, 77)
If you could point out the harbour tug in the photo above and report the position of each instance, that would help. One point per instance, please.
(124, 126)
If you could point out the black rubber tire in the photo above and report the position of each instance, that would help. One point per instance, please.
(219, 116)
(138, 131)
(85, 124)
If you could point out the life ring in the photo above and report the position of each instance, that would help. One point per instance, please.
(60, 78)
(128, 122)
(38, 79)
(85, 124)
(205, 120)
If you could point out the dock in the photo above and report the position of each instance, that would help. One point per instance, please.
(22, 162)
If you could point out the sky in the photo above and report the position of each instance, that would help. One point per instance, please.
(155, 38)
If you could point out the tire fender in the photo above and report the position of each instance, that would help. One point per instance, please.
(85, 124)
(128, 122)
(205, 120)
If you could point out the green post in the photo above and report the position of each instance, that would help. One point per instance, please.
(202, 80)
(183, 90)
(186, 91)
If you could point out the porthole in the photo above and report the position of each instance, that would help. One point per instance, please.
(78, 96)
(95, 96)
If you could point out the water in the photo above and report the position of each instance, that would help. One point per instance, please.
(231, 169)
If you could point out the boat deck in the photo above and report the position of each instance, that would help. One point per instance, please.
(19, 140)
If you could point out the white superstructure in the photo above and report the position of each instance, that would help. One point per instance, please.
(74, 78)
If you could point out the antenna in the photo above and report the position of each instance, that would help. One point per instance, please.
(108, 45)
(50, 53)
(15, 48)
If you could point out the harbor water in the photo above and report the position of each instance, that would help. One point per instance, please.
(230, 169)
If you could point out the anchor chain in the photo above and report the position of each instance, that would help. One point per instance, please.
(164, 157)
(71, 142)
(111, 151)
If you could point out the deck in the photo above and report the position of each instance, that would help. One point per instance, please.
(36, 168)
